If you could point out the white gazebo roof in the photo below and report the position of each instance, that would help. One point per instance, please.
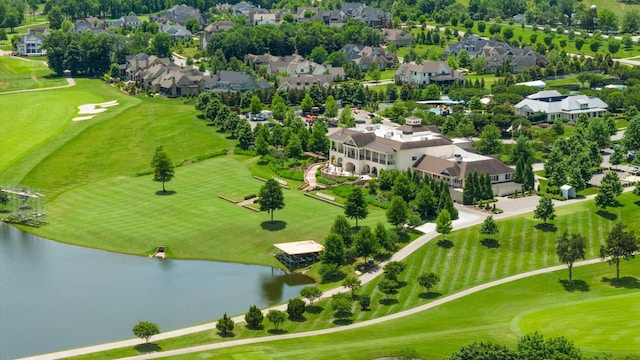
(300, 247)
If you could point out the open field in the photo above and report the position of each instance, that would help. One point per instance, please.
(467, 264)
(20, 74)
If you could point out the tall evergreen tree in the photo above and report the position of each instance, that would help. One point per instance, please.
(162, 167)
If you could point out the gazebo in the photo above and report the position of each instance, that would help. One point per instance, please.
(298, 254)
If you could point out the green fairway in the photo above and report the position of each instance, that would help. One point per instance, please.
(490, 315)
(21, 74)
(594, 324)
(125, 214)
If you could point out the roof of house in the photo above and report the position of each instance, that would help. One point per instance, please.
(461, 169)
(181, 13)
(552, 102)
(397, 35)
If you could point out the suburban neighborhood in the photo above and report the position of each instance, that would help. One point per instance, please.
(451, 180)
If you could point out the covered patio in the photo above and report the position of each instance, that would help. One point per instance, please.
(295, 255)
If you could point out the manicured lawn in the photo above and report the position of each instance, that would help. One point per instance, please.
(125, 214)
(384, 75)
(500, 314)
(521, 246)
(20, 74)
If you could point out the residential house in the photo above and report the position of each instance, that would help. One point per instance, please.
(92, 24)
(370, 149)
(305, 13)
(225, 81)
(263, 19)
(429, 72)
(305, 81)
(557, 105)
(127, 22)
(176, 81)
(398, 36)
(374, 17)
(498, 53)
(136, 65)
(241, 8)
(176, 31)
(212, 29)
(31, 43)
(352, 9)
(367, 56)
(180, 14)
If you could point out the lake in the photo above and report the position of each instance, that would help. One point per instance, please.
(55, 296)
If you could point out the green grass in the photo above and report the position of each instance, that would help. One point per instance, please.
(468, 263)
(20, 74)
(384, 75)
(500, 314)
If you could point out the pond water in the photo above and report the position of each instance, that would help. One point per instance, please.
(55, 296)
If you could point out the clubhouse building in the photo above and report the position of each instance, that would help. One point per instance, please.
(368, 150)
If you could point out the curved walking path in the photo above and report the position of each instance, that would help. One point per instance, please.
(398, 315)
(70, 82)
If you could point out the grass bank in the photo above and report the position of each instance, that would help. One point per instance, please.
(21, 74)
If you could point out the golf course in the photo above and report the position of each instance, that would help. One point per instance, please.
(97, 178)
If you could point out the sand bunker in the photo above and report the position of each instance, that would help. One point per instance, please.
(93, 109)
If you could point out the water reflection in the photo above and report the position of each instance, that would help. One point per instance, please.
(55, 296)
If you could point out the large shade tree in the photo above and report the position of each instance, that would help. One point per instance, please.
(620, 244)
(271, 197)
(355, 207)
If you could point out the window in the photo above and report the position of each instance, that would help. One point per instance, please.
(414, 158)
(507, 176)
(494, 178)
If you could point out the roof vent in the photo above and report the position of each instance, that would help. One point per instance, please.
(458, 158)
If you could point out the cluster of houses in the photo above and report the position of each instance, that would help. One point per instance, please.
(161, 75)
(498, 54)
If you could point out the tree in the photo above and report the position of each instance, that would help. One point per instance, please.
(365, 244)
(255, 107)
(330, 107)
(271, 197)
(490, 140)
(387, 287)
(254, 317)
(334, 250)
(311, 293)
(352, 283)
(145, 330)
(295, 308)
(620, 244)
(375, 74)
(294, 147)
(364, 301)
(489, 226)
(545, 209)
(606, 196)
(55, 18)
(341, 304)
(393, 269)
(355, 207)
(225, 325)
(612, 178)
(162, 167)
(346, 117)
(616, 157)
(383, 237)
(569, 249)
(342, 227)
(276, 317)
(425, 202)
(278, 107)
(428, 281)
(307, 103)
(484, 350)
(397, 211)
(193, 25)
(161, 44)
(444, 223)
(631, 138)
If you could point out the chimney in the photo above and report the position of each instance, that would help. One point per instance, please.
(458, 158)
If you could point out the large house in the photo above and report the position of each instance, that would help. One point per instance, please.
(293, 65)
(227, 81)
(367, 56)
(398, 36)
(370, 149)
(31, 43)
(429, 72)
(176, 31)
(498, 53)
(180, 14)
(556, 105)
(371, 16)
(305, 81)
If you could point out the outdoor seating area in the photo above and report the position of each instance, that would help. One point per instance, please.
(295, 255)
(325, 196)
